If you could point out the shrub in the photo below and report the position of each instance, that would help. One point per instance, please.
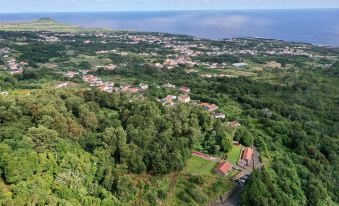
(196, 179)
(162, 195)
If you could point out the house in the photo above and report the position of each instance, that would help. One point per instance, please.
(223, 168)
(240, 65)
(143, 86)
(218, 115)
(234, 124)
(247, 156)
(14, 72)
(209, 107)
(125, 88)
(185, 90)
(133, 90)
(71, 74)
(170, 62)
(62, 85)
(168, 100)
(89, 78)
(106, 87)
(84, 72)
(158, 65)
(184, 98)
(168, 85)
(92, 80)
(96, 83)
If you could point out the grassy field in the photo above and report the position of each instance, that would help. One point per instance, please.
(234, 154)
(189, 192)
(20, 92)
(199, 166)
(45, 24)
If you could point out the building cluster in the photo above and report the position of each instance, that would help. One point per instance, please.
(174, 61)
(95, 81)
(171, 100)
(48, 38)
(14, 67)
(110, 86)
(5, 51)
(289, 51)
(225, 167)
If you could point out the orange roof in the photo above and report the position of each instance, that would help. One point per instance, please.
(213, 106)
(203, 104)
(247, 155)
(133, 90)
(183, 97)
(224, 167)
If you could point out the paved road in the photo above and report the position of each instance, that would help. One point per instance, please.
(234, 199)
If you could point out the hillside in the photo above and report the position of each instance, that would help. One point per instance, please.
(43, 24)
(158, 119)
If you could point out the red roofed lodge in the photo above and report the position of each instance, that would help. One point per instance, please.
(223, 168)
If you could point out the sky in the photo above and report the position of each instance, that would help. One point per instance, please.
(19, 6)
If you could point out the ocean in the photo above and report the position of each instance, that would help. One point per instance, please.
(317, 26)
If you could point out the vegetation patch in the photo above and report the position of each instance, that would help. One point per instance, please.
(199, 166)
(234, 155)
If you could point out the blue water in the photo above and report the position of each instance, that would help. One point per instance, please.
(319, 27)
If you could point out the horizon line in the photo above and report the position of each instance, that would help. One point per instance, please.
(173, 10)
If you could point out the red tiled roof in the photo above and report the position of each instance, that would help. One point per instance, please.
(224, 167)
(247, 155)
(184, 97)
(133, 90)
(167, 99)
(212, 107)
(202, 155)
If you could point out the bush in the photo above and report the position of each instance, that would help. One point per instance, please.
(184, 197)
(197, 195)
(196, 179)
(162, 195)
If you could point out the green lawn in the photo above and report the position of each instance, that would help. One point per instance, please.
(45, 24)
(234, 154)
(20, 92)
(199, 166)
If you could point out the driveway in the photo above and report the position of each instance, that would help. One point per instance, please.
(234, 198)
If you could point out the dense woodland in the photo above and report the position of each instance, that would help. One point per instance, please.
(77, 146)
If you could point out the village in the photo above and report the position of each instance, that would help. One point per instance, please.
(225, 113)
(195, 55)
(182, 52)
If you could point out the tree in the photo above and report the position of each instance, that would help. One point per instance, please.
(244, 136)
(88, 118)
(114, 139)
(18, 165)
(42, 138)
